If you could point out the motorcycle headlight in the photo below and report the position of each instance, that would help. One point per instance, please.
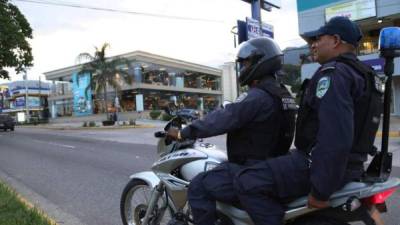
(210, 165)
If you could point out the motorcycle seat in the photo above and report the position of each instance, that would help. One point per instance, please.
(348, 189)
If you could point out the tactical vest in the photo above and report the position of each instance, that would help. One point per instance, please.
(367, 113)
(270, 138)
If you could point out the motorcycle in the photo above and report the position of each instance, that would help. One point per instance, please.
(159, 196)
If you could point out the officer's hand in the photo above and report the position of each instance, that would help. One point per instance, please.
(315, 203)
(173, 133)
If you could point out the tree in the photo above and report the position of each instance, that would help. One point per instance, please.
(104, 72)
(292, 77)
(15, 50)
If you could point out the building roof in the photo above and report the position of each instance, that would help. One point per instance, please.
(142, 56)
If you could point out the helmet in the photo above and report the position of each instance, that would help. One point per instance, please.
(264, 56)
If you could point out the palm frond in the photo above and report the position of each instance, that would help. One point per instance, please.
(84, 58)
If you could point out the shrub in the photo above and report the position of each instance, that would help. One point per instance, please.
(123, 123)
(92, 124)
(166, 117)
(34, 120)
(155, 114)
(85, 124)
(132, 122)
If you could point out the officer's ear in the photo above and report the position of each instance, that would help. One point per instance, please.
(338, 40)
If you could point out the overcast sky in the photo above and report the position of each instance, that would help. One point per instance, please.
(61, 33)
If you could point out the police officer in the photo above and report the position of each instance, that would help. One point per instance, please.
(259, 125)
(338, 118)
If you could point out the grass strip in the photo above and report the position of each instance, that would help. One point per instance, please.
(13, 210)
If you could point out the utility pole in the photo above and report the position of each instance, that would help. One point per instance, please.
(40, 99)
(256, 10)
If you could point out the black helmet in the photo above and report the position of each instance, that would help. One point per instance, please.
(264, 55)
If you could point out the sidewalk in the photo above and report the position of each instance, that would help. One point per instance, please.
(394, 127)
(77, 122)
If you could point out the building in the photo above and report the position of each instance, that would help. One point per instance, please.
(370, 15)
(157, 79)
(21, 97)
(295, 55)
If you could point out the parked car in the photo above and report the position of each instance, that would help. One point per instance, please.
(190, 114)
(6, 122)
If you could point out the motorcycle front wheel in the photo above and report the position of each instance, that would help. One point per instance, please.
(134, 201)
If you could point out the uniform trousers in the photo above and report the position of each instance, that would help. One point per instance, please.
(211, 186)
(263, 189)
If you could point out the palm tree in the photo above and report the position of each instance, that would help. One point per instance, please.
(104, 71)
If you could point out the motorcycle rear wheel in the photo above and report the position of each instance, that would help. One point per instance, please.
(134, 201)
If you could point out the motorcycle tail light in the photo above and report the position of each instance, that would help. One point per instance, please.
(380, 198)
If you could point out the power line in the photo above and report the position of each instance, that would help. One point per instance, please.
(71, 5)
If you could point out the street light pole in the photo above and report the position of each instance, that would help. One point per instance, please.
(256, 10)
(26, 96)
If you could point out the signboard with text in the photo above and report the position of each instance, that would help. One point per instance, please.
(254, 29)
(19, 102)
(354, 10)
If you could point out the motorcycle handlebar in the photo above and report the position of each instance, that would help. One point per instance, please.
(160, 134)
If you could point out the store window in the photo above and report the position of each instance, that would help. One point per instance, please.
(369, 43)
(64, 107)
(154, 74)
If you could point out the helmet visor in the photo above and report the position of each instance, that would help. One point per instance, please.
(246, 50)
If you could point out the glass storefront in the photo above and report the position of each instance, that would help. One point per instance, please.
(149, 73)
(155, 100)
(64, 107)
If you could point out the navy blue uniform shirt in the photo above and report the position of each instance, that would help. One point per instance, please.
(255, 105)
(252, 123)
(331, 94)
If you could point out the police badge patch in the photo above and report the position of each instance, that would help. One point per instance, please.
(323, 86)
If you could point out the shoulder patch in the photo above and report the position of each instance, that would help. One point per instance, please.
(323, 86)
(328, 68)
(241, 97)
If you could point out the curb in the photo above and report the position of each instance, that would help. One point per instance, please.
(29, 205)
(31, 199)
(391, 134)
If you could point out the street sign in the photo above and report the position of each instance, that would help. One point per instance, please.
(254, 30)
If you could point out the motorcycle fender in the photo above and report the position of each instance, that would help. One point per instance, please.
(147, 176)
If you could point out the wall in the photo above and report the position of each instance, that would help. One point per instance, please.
(229, 82)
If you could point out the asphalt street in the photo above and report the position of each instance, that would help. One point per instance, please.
(77, 176)
(82, 178)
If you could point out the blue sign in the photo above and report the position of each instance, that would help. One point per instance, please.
(251, 29)
(20, 102)
(82, 105)
(254, 30)
(376, 64)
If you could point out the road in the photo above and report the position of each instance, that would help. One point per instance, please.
(77, 176)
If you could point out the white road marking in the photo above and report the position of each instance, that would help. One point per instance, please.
(55, 144)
